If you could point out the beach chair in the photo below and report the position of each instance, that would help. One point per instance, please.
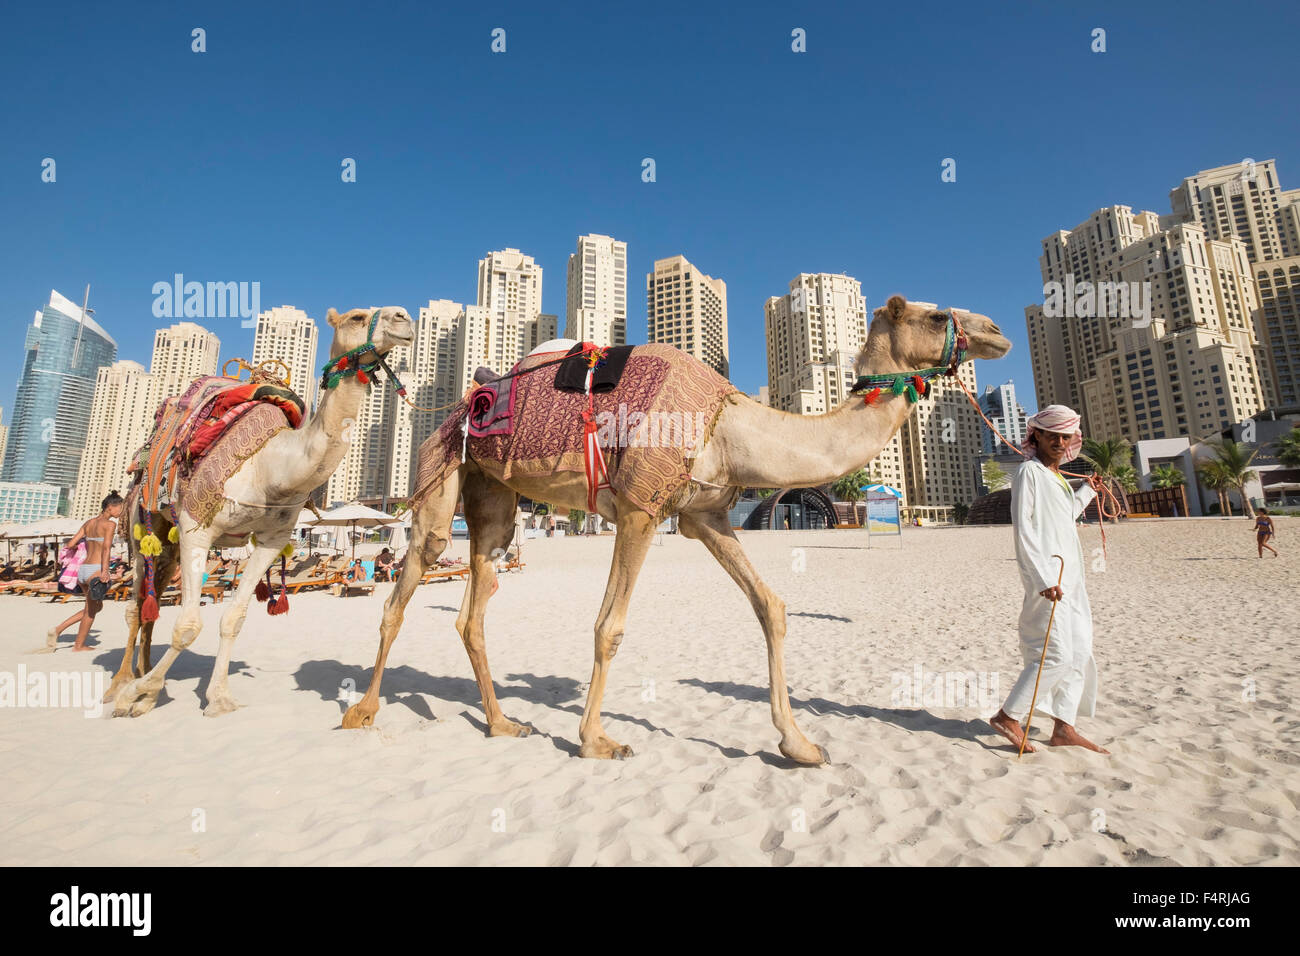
(217, 589)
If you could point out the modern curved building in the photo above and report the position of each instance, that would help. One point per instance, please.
(64, 351)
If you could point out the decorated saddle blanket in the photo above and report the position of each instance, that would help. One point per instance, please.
(201, 438)
(491, 404)
(651, 426)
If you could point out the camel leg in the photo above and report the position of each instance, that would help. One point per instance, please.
(141, 695)
(714, 530)
(490, 513)
(129, 668)
(263, 556)
(430, 535)
(632, 541)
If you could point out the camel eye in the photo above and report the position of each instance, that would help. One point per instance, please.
(938, 317)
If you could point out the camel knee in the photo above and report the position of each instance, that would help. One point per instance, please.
(608, 641)
(187, 629)
(233, 622)
(434, 545)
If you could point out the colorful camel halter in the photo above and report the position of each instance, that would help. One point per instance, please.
(350, 363)
(916, 384)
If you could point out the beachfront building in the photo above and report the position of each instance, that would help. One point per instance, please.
(687, 309)
(939, 448)
(999, 405)
(24, 501)
(1245, 200)
(181, 353)
(121, 416)
(1146, 327)
(814, 333)
(290, 335)
(510, 322)
(597, 291)
(64, 350)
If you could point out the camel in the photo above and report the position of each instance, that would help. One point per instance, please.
(751, 446)
(264, 499)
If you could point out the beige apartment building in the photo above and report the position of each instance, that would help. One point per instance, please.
(688, 309)
(291, 335)
(121, 416)
(939, 449)
(1164, 346)
(814, 333)
(125, 400)
(1246, 201)
(597, 291)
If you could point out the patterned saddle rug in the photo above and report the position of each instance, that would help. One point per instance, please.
(202, 437)
(651, 426)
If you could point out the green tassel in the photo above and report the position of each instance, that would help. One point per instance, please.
(898, 385)
(911, 393)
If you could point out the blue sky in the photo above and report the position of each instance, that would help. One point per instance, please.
(225, 165)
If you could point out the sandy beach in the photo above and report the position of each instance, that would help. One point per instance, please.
(1196, 648)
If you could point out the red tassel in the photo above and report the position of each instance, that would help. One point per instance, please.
(362, 377)
(872, 396)
(280, 605)
(149, 610)
(263, 591)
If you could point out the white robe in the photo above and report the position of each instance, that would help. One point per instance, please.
(1043, 512)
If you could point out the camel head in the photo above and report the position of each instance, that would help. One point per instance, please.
(393, 327)
(912, 335)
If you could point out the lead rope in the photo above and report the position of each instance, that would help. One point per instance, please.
(1102, 514)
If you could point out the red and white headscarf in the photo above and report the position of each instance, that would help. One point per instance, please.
(1056, 418)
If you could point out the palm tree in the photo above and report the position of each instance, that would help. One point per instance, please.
(994, 477)
(1167, 476)
(1213, 477)
(1233, 461)
(1288, 448)
(849, 487)
(1112, 460)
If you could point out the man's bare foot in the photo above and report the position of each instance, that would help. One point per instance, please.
(1066, 736)
(82, 647)
(1009, 727)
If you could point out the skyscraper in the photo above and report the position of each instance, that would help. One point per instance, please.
(597, 291)
(290, 335)
(1247, 201)
(510, 292)
(999, 405)
(940, 448)
(65, 349)
(814, 333)
(121, 417)
(182, 353)
(1154, 336)
(688, 309)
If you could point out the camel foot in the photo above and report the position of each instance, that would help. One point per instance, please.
(220, 705)
(602, 748)
(133, 701)
(358, 717)
(508, 728)
(805, 752)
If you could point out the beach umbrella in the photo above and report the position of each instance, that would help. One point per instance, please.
(882, 489)
(352, 517)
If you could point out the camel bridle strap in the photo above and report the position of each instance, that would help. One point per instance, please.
(915, 384)
(350, 363)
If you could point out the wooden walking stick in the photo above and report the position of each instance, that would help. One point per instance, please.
(1024, 737)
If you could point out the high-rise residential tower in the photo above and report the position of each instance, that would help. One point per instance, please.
(65, 348)
(121, 417)
(290, 335)
(999, 405)
(688, 309)
(597, 291)
(814, 333)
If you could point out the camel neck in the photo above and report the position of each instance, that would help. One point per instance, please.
(317, 448)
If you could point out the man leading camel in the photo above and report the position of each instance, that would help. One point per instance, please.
(1043, 512)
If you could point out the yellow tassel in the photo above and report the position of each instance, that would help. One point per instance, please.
(137, 529)
(150, 546)
(287, 551)
(173, 535)
(253, 538)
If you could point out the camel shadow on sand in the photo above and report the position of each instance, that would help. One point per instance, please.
(407, 686)
(911, 720)
(186, 666)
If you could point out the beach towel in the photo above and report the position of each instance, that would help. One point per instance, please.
(651, 426)
(70, 562)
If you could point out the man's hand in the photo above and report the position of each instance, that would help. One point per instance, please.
(1095, 483)
(1054, 593)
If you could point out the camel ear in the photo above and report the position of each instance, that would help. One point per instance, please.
(333, 318)
(895, 307)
